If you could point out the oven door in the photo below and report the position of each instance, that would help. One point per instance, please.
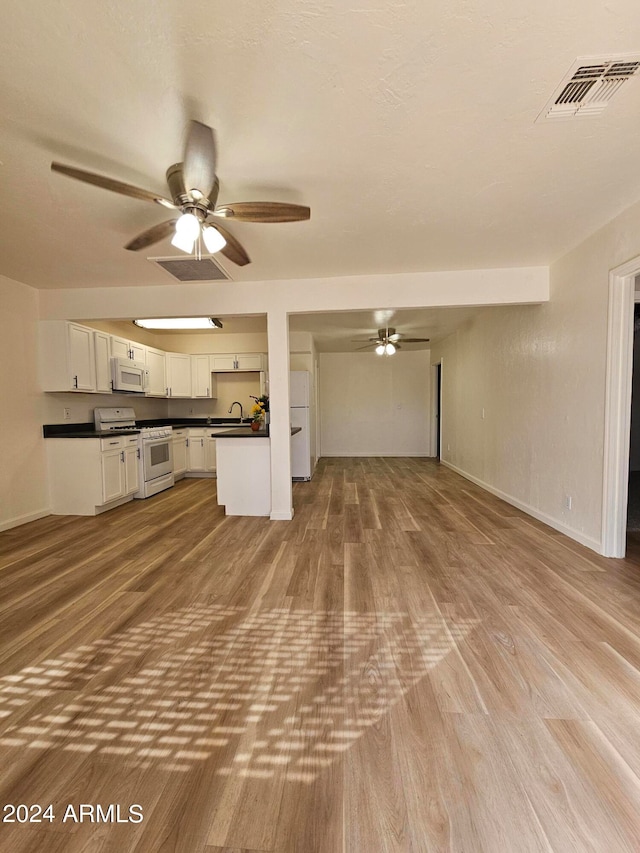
(157, 456)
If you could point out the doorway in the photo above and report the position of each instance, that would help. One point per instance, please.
(436, 410)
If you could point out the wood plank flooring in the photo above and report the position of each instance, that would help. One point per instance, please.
(408, 665)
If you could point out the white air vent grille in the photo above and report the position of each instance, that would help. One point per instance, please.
(192, 269)
(589, 86)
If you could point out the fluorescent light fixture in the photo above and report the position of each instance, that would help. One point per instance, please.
(213, 239)
(187, 323)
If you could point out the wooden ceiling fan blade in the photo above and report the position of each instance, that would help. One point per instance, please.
(151, 235)
(199, 163)
(368, 346)
(233, 250)
(404, 340)
(110, 184)
(263, 211)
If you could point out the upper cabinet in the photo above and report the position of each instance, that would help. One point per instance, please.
(102, 352)
(67, 357)
(76, 358)
(224, 362)
(203, 382)
(178, 374)
(122, 348)
(157, 369)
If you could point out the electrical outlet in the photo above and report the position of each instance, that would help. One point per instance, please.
(67, 414)
(568, 501)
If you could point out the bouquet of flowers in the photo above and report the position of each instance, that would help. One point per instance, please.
(257, 412)
(259, 408)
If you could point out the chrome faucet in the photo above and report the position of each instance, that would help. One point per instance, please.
(236, 403)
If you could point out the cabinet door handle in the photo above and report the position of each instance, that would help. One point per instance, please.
(122, 455)
(202, 442)
(138, 452)
(208, 395)
(75, 381)
(187, 442)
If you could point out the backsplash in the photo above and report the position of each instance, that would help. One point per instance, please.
(230, 387)
(81, 406)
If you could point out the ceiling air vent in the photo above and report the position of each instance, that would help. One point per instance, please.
(589, 86)
(192, 269)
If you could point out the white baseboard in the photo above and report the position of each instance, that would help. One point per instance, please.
(587, 541)
(24, 519)
(281, 515)
(348, 453)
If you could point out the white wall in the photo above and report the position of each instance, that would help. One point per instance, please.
(374, 406)
(539, 372)
(23, 487)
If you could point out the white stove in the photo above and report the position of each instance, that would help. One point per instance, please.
(155, 445)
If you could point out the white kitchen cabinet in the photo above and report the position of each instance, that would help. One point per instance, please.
(179, 452)
(210, 453)
(195, 452)
(112, 475)
(131, 468)
(88, 476)
(67, 357)
(120, 475)
(229, 362)
(204, 383)
(178, 374)
(157, 373)
(123, 348)
(102, 347)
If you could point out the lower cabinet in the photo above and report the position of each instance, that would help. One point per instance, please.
(90, 475)
(179, 453)
(201, 453)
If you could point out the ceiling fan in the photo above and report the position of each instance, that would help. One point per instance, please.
(388, 341)
(193, 191)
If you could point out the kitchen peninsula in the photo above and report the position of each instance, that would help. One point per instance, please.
(243, 467)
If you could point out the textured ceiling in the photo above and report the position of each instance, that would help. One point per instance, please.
(408, 128)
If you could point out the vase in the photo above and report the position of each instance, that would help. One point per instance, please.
(255, 425)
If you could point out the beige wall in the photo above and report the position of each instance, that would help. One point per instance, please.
(23, 486)
(374, 406)
(230, 387)
(539, 372)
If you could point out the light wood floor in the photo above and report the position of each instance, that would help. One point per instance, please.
(408, 665)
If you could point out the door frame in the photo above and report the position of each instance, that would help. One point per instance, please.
(617, 420)
(436, 409)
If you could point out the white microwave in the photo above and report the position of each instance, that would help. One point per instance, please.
(128, 375)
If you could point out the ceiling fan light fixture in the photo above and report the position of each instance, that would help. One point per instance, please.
(389, 349)
(380, 349)
(213, 239)
(183, 242)
(171, 323)
(188, 225)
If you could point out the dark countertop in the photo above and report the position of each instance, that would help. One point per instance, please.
(88, 430)
(249, 433)
(84, 433)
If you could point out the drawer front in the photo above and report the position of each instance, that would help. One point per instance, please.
(179, 433)
(130, 440)
(112, 443)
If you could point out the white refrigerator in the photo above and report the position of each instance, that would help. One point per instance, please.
(300, 399)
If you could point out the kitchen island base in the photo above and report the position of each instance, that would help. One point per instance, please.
(244, 475)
